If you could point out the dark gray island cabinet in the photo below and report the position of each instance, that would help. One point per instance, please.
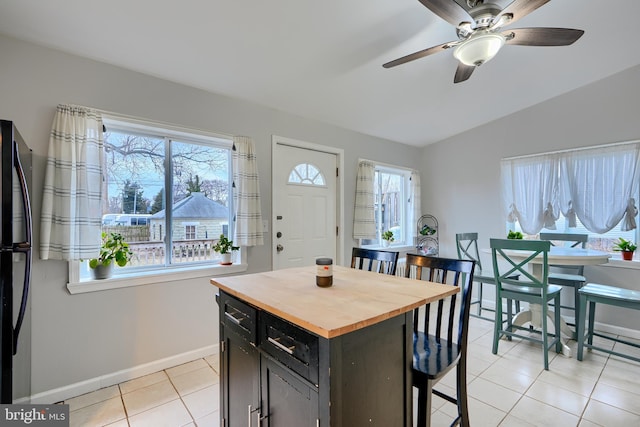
(296, 355)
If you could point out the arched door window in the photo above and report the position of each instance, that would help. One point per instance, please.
(306, 174)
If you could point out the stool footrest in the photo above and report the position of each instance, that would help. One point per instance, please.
(615, 353)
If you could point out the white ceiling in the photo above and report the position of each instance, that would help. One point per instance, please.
(323, 60)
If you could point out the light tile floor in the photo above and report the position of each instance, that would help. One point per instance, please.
(507, 390)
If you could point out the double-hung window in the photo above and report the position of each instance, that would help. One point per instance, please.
(168, 192)
(391, 206)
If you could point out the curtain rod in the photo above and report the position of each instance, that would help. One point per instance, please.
(568, 150)
(172, 126)
(387, 165)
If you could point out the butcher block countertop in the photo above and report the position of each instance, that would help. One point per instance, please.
(356, 300)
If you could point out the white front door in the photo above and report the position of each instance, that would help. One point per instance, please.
(304, 206)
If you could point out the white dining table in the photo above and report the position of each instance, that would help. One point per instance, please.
(556, 256)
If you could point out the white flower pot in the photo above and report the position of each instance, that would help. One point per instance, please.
(226, 259)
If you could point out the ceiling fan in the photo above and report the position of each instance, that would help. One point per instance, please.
(481, 34)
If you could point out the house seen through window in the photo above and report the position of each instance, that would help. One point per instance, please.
(167, 193)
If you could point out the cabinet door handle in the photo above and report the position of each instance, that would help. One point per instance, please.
(261, 417)
(276, 342)
(233, 319)
(249, 411)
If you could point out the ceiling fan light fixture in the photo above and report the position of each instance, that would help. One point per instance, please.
(479, 49)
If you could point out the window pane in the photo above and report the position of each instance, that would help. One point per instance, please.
(306, 173)
(136, 196)
(134, 193)
(602, 242)
(389, 196)
(200, 200)
(390, 206)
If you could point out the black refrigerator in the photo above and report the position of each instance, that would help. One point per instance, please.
(15, 266)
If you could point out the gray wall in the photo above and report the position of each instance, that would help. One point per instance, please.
(83, 336)
(80, 337)
(461, 175)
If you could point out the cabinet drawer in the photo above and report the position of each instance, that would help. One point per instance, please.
(239, 317)
(290, 345)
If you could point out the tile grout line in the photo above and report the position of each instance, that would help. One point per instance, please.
(180, 395)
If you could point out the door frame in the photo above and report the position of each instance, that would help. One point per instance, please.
(339, 153)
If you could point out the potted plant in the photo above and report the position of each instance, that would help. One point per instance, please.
(427, 231)
(387, 238)
(626, 247)
(514, 235)
(113, 250)
(224, 247)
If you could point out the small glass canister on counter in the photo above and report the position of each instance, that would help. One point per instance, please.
(324, 273)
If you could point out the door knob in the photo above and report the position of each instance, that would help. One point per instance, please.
(279, 248)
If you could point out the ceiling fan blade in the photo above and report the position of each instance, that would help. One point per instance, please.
(419, 54)
(519, 9)
(463, 72)
(542, 36)
(449, 10)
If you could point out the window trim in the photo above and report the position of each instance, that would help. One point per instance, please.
(187, 233)
(151, 277)
(172, 273)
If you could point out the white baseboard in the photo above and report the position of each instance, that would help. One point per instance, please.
(93, 384)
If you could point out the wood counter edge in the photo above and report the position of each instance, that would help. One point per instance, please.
(329, 333)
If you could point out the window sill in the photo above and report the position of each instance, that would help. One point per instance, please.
(153, 277)
(619, 263)
(399, 248)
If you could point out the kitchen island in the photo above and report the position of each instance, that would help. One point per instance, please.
(294, 354)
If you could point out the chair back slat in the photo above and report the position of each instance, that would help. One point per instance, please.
(453, 272)
(568, 240)
(519, 263)
(467, 247)
(379, 261)
(573, 240)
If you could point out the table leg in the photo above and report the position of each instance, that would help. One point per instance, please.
(534, 316)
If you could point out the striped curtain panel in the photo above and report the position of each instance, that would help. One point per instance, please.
(248, 218)
(72, 199)
(364, 222)
(415, 207)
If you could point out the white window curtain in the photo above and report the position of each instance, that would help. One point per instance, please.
(529, 187)
(415, 207)
(597, 185)
(364, 222)
(248, 213)
(72, 198)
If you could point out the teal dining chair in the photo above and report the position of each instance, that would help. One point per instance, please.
(467, 247)
(520, 257)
